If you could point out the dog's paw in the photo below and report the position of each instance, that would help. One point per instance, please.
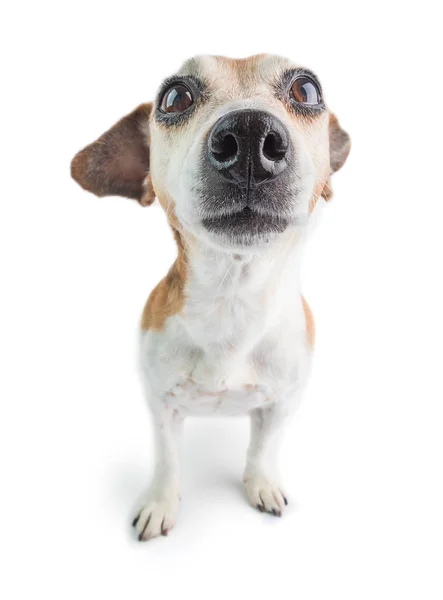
(265, 495)
(157, 517)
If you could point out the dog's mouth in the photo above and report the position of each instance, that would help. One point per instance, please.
(247, 224)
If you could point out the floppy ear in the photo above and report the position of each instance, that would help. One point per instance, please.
(117, 164)
(339, 144)
(339, 147)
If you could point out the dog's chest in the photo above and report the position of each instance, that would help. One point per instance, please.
(233, 377)
(191, 397)
(224, 380)
(236, 346)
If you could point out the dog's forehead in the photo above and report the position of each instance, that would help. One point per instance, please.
(243, 72)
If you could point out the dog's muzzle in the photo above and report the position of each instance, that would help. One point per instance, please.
(248, 177)
(248, 148)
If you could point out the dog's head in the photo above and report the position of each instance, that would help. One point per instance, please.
(237, 151)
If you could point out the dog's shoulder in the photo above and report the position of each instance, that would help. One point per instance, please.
(310, 323)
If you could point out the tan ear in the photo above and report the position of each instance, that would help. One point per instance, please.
(117, 164)
(339, 148)
(339, 144)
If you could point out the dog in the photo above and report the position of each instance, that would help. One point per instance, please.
(238, 152)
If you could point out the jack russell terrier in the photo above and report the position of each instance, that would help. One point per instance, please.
(237, 152)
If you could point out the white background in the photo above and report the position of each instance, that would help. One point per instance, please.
(363, 458)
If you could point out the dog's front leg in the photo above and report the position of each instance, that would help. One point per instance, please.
(158, 515)
(261, 474)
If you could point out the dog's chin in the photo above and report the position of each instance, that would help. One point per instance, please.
(246, 230)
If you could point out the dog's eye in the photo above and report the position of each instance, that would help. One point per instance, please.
(305, 91)
(176, 99)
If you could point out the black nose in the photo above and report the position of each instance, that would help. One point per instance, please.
(249, 147)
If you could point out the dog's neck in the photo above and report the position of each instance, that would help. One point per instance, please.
(218, 293)
(257, 281)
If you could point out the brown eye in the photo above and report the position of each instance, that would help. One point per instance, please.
(305, 91)
(177, 99)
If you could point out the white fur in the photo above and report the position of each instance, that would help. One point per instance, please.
(239, 347)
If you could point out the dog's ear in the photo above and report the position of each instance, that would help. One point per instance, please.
(339, 147)
(339, 144)
(117, 164)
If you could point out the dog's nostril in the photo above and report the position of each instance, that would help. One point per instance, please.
(224, 148)
(274, 148)
(248, 147)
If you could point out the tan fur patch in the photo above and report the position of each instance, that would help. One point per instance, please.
(310, 325)
(148, 196)
(167, 299)
(327, 191)
(323, 190)
(244, 67)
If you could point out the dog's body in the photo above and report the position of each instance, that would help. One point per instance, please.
(241, 339)
(227, 331)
